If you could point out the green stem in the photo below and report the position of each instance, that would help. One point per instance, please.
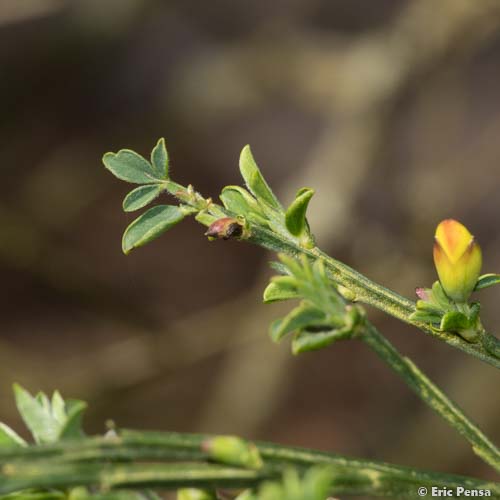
(431, 395)
(66, 464)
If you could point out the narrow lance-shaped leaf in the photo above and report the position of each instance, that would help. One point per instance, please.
(255, 181)
(487, 280)
(239, 201)
(280, 288)
(295, 217)
(9, 437)
(129, 166)
(150, 225)
(141, 196)
(58, 407)
(159, 159)
(305, 341)
(300, 317)
(72, 428)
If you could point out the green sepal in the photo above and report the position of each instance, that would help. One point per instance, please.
(487, 280)
(295, 216)
(280, 288)
(454, 321)
(195, 494)
(159, 159)
(428, 307)
(302, 316)
(9, 437)
(141, 196)
(425, 317)
(131, 167)
(305, 340)
(150, 225)
(255, 181)
(439, 297)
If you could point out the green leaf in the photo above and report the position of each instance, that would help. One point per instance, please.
(487, 280)
(128, 166)
(58, 407)
(72, 428)
(141, 196)
(255, 181)
(159, 159)
(150, 225)
(305, 341)
(300, 317)
(295, 217)
(9, 437)
(280, 288)
(36, 417)
(454, 321)
(239, 201)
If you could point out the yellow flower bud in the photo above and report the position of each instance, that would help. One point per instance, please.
(458, 259)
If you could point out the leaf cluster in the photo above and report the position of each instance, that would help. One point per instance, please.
(322, 317)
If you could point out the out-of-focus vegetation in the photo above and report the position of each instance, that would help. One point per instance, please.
(391, 110)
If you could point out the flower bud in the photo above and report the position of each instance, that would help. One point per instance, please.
(233, 450)
(225, 228)
(458, 259)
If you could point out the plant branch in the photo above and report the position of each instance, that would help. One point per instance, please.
(431, 394)
(93, 462)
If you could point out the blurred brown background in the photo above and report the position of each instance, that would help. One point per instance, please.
(390, 109)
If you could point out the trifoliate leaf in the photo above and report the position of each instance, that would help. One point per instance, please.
(150, 225)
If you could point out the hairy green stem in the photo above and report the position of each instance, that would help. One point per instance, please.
(431, 394)
(93, 462)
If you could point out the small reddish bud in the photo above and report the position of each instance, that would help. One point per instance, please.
(225, 228)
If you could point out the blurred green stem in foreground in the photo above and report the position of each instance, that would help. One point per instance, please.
(124, 461)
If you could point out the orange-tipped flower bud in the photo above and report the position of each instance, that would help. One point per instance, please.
(457, 258)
